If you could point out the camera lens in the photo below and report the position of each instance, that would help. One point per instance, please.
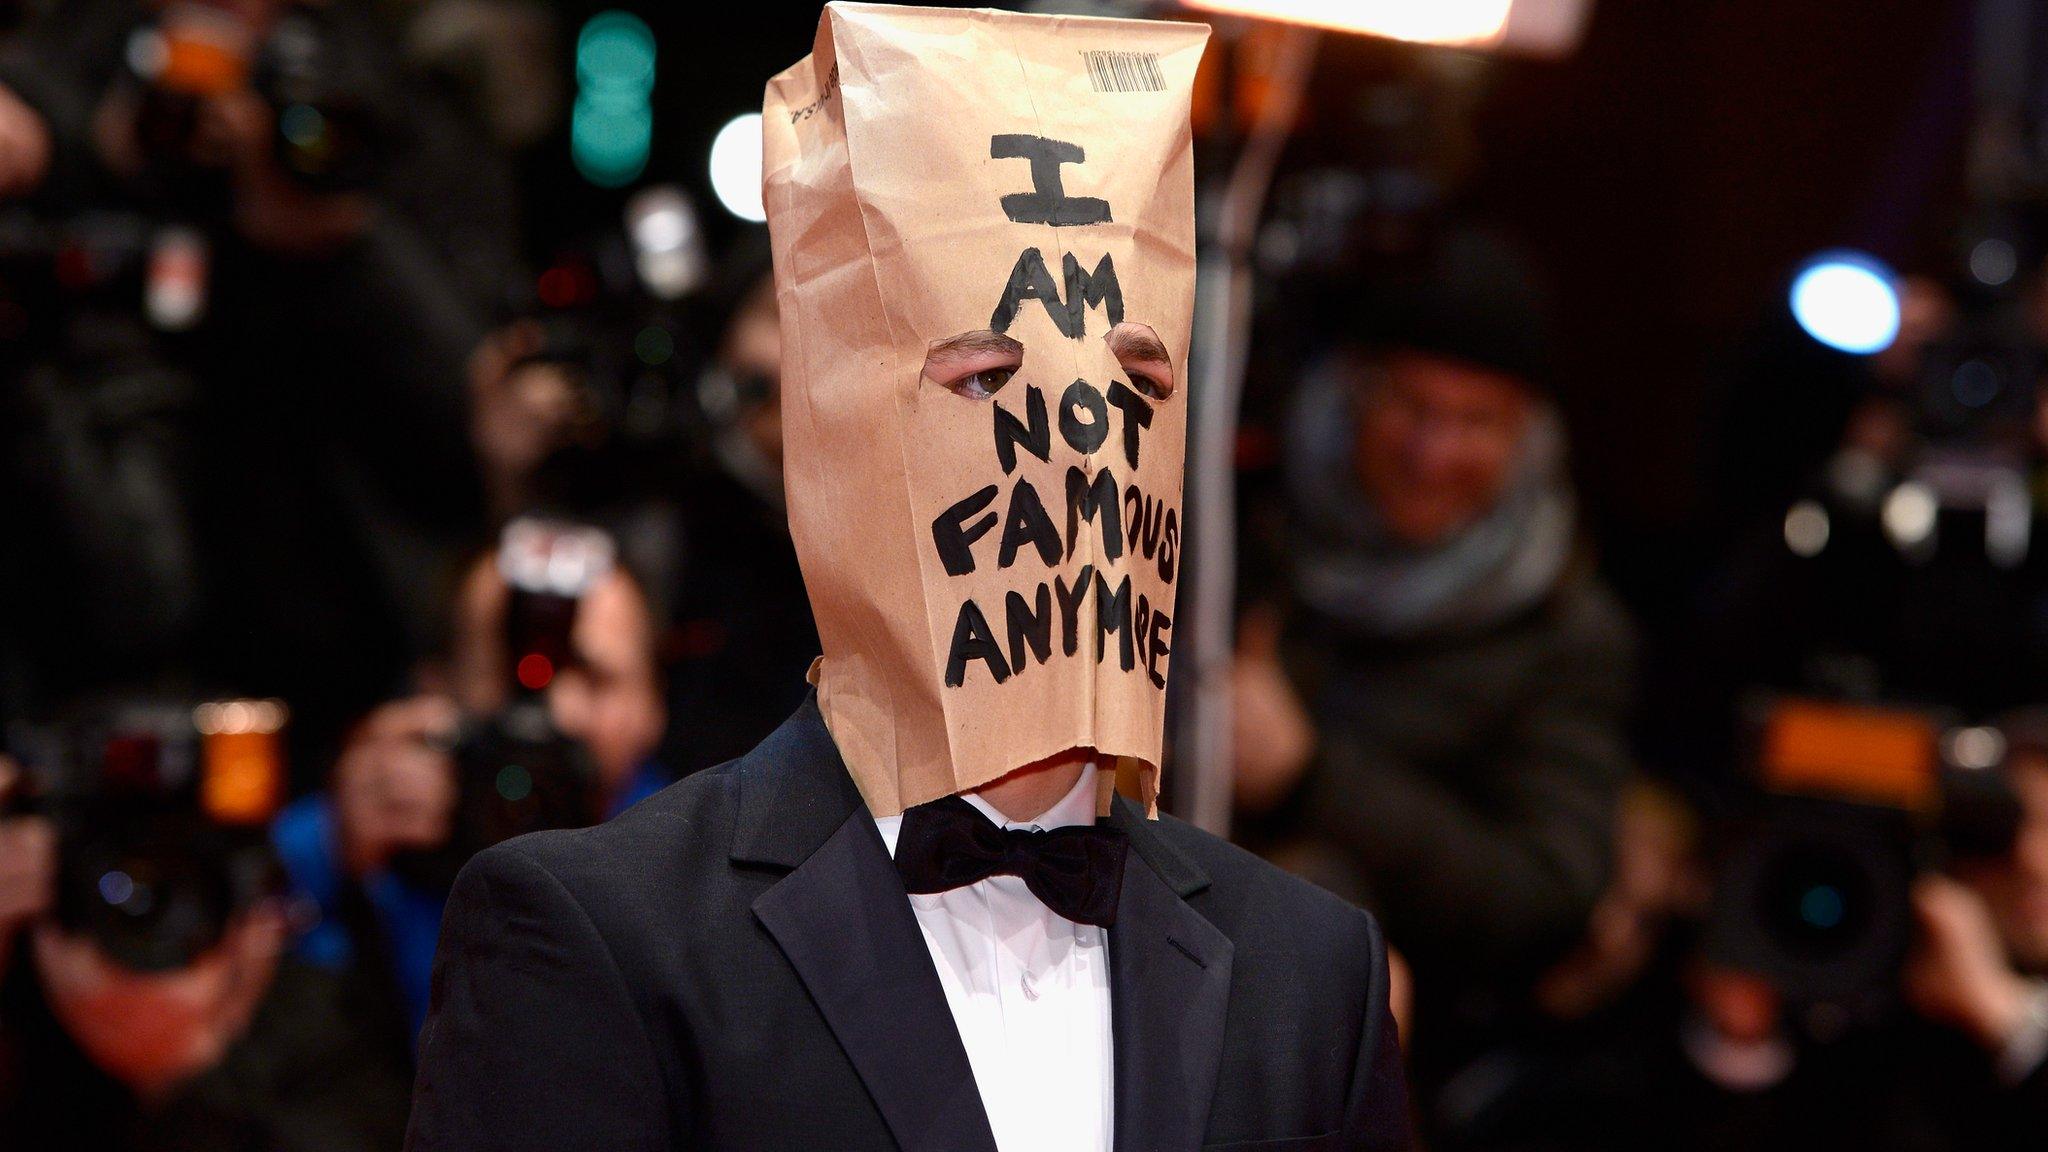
(150, 904)
(1815, 899)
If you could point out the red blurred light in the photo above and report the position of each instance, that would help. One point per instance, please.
(565, 286)
(535, 671)
(75, 268)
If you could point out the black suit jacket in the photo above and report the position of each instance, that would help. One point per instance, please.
(733, 964)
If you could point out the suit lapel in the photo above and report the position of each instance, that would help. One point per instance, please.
(1169, 976)
(842, 919)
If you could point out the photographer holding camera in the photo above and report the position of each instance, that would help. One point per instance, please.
(1980, 965)
(345, 229)
(144, 999)
(554, 709)
(1435, 725)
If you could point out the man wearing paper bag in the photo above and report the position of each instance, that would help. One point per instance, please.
(933, 911)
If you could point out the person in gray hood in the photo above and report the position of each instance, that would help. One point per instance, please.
(1433, 717)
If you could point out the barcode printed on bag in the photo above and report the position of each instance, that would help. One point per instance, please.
(1124, 71)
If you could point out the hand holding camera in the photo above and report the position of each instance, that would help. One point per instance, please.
(28, 864)
(24, 146)
(1958, 971)
(394, 785)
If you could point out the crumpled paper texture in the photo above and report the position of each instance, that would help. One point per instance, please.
(993, 578)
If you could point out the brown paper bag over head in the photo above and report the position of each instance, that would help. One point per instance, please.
(983, 227)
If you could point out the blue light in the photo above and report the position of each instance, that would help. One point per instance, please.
(117, 888)
(1848, 301)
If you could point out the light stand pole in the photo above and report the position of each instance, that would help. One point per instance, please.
(1223, 321)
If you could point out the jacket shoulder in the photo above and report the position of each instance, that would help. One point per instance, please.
(692, 817)
(1256, 902)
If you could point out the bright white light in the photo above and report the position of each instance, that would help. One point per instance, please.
(1847, 300)
(1807, 529)
(1429, 22)
(1909, 515)
(736, 167)
(1976, 748)
(668, 251)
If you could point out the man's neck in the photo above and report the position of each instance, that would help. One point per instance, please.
(1032, 790)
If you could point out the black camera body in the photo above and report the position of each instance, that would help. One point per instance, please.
(162, 815)
(1814, 888)
(1814, 897)
(516, 771)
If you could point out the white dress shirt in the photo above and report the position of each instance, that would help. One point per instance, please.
(1029, 991)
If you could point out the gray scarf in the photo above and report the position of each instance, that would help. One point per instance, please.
(1347, 569)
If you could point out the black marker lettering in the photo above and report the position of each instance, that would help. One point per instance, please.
(1083, 436)
(1113, 614)
(1169, 547)
(1137, 415)
(1087, 290)
(973, 641)
(955, 537)
(1047, 202)
(1027, 523)
(1070, 607)
(1030, 279)
(1035, 436)
(1029, 625)
(1094, 500)
(1156, 648)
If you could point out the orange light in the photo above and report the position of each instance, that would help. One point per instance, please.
(535, 671)
(1530, 27)
(1473, 22)
(241, 760)
(1880, 755)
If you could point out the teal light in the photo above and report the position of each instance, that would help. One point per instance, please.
(654, 346)
(610, 142)
(302, 124)
(514, 783)
(611, 127)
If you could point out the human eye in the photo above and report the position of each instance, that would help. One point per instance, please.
(1143, 357)
(974, 365)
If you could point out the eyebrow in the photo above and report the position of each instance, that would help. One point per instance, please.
(1137, 344)
(975, 343)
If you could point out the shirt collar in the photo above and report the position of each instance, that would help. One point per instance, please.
(1076, 807)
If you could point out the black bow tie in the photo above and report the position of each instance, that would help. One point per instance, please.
(1076, 871)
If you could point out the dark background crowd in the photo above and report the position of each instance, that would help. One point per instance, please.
(390, 463)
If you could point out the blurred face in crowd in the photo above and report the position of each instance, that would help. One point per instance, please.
(609, 697)
(2017, 887)
(154, 1030)
(752, 353)
(1437, 440)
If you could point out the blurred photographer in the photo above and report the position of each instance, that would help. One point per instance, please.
(1981, 962)
(146, 1004)
(1443, 714)
(552, 717)
(344, 228)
